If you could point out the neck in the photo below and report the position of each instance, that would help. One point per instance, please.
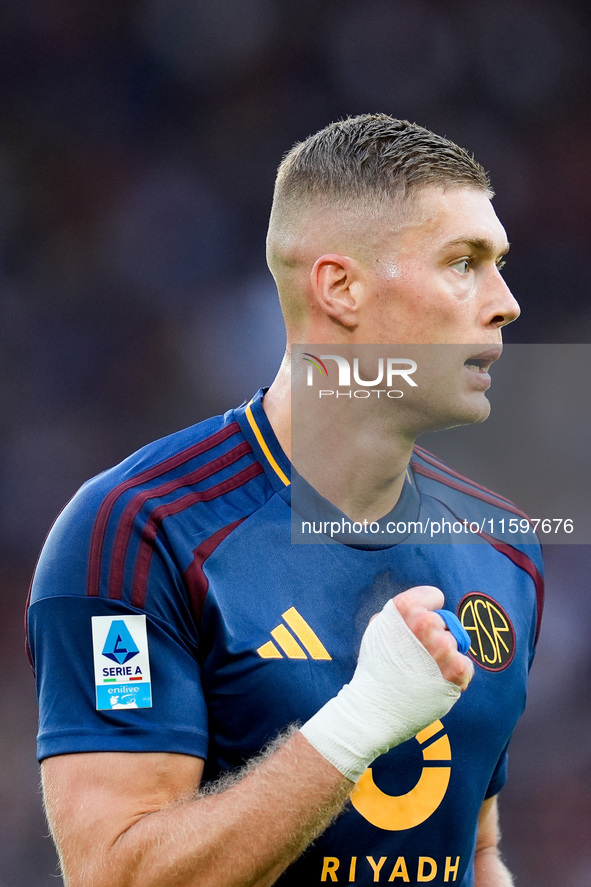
(351, 453)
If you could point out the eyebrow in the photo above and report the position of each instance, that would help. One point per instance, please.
(478, 244)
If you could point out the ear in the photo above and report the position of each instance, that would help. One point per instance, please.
(337, 288)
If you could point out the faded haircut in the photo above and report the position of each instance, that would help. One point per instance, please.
(373, 157)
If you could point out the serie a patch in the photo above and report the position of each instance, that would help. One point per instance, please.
(121, 662)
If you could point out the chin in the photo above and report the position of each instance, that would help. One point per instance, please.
(474, 410)
(468, 411)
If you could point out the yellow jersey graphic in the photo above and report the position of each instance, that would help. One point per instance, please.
(299, 643)
(399, 812)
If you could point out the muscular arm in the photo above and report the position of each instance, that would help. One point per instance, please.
(489, 869)
(137, 820)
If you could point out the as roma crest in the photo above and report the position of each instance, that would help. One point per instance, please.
(491, 633)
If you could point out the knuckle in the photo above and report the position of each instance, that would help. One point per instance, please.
(421, 625)
(459, 671)
(404, 603)
(427, 624)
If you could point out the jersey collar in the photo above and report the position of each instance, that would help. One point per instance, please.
(257, 430)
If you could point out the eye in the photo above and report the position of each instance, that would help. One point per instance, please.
(462, 265)
(500, 264)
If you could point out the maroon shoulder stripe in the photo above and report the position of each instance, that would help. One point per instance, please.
(476, 493)
(102, 518)
(195, 578)
(127, 520)
(433, 460)
(525, 563)
(144, 555)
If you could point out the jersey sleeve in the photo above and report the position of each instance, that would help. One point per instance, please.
(499, 777)
(500, 772)
(112, 673)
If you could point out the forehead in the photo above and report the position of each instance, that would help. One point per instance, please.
(439, 217)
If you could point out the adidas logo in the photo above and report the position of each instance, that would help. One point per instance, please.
(293, 647)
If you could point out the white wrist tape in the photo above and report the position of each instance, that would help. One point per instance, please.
(396, 691)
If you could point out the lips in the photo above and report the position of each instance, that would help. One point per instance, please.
(480, 361)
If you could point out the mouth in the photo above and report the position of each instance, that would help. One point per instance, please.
(482, 360)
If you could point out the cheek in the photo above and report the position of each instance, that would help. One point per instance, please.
(466, 295)
(462, 289)
(419, 307)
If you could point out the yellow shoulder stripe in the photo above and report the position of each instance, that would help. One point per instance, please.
(263, 445)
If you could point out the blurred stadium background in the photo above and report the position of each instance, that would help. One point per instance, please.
(138, 146)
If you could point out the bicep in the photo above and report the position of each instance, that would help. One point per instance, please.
(93, 799)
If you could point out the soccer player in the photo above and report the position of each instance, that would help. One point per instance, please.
(217, 704)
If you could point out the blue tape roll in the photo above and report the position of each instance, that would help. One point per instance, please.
(457, 629)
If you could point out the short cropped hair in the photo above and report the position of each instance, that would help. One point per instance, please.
(373, 156)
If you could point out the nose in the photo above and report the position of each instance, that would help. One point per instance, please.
(502, 307)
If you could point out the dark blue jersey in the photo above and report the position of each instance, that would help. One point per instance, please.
(171, 611)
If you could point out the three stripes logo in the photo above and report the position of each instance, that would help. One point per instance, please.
(299, 643)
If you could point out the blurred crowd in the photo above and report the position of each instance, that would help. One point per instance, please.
(138, 145)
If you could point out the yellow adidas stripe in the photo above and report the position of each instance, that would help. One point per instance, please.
(288, 643)
(304, 633)
(263, 445)
(269, 651)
